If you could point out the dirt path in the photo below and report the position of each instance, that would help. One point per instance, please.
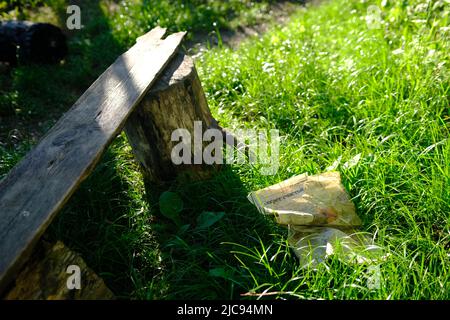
(278, 13)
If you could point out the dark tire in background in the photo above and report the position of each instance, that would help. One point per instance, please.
(36, 42)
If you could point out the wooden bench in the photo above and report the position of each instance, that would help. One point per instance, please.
(131, 93)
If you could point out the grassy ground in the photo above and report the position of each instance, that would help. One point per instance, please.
(110, 27)
(335, 89)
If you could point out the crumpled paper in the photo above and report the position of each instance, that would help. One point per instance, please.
(321, 218)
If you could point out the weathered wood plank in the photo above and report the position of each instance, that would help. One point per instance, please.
(33, 192)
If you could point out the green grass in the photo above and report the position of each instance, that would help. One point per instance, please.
(335, 89)
(110, 27)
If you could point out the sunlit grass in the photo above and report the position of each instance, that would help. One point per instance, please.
(337, 90)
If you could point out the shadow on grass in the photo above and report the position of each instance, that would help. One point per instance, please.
(34, 96)
(89, 223)
(199, 261)
(95, 224)
(138, 252)
(142, 254)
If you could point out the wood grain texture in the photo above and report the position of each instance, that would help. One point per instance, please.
(34, 190)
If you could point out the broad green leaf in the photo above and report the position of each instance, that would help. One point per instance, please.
(170, 205)
(221, 273)
(207, 218)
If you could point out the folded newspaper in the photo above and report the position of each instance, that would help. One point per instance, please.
(321, 218)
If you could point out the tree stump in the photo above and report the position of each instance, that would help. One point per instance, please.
(45, 277)
(175, 101)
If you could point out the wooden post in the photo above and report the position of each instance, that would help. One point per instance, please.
(38, 187)
(174, 102)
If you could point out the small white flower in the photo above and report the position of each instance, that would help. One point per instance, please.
(398, 51)
(268, 67)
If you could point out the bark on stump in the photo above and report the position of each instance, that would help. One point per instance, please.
(174, 102)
